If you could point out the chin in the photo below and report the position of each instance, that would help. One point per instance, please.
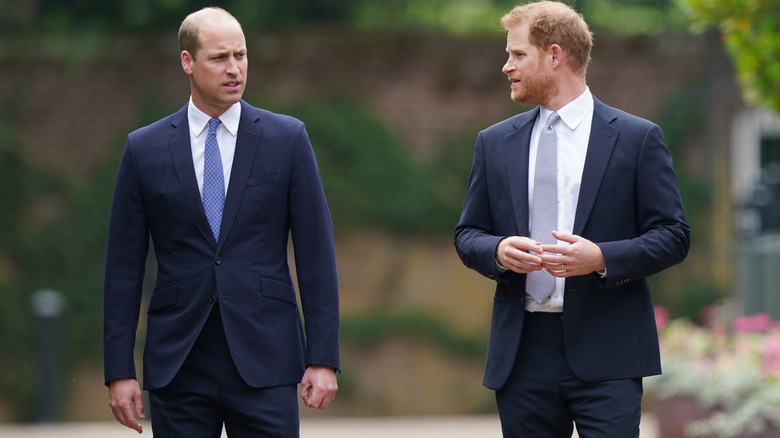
(519, 98)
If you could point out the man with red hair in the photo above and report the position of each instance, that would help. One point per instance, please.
(569, 208)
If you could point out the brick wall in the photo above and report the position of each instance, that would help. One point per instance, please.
(427, 87)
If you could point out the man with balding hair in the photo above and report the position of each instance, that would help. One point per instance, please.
(219, 186)
(569, 208)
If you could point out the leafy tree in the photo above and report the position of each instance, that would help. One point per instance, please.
(751, 34)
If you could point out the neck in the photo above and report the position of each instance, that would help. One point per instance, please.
(567, 92)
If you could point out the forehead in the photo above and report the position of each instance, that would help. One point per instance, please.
(221, 35)
(517, 39)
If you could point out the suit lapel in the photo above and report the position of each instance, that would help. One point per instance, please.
(181, 152)
(600, 145)
(516, 146)
(247, 142)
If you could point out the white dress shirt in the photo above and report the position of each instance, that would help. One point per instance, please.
(226, 137)
(573, 135)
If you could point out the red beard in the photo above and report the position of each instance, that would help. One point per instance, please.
(537, 89)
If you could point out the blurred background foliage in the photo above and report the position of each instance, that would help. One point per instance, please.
(751, 34)
(378, 183)
(370, 183)
(52, 227)
(454, 16)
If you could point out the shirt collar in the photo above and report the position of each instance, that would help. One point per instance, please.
(574, 112)
(199, 121)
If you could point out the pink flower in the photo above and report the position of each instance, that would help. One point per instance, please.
(771, 355)
(760, 322)
(661, 317)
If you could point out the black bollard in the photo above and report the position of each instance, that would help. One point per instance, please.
(48, 306)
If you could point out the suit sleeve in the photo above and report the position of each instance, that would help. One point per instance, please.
(315, 261)
(663, 236)
(126, 252)
(475, 241)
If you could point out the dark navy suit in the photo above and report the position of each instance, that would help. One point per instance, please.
(629, 204)
(274, 192)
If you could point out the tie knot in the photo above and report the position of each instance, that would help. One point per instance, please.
(214, 123)
(553, 118)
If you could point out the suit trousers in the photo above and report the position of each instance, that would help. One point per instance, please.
(208, 392)
(543, 397)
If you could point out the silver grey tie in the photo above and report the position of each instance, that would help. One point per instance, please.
(544, 215)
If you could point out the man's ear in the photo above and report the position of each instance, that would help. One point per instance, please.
(557, 55)
(186, 62)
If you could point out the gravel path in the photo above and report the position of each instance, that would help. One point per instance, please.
(331, 427)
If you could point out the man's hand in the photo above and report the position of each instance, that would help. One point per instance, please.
(579, 257)
(519, 254)
(319, 386)
(124, 398)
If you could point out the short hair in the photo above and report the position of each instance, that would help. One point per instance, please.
(552, 22)
(189, 31)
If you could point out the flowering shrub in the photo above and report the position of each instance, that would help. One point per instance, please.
(731, 367)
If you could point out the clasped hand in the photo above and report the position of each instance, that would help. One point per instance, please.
(576, 256)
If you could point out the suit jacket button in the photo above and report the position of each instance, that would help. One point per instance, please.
(218, 260)
(212, 299)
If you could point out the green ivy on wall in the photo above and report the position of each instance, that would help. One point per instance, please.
(371, 179)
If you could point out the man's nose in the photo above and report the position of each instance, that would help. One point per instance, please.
(232, 66)
(507, 67)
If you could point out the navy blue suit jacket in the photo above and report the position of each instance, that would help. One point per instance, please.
(629, 204)
(274, 192)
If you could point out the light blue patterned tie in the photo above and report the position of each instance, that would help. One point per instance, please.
(544, 217)
(213, 180)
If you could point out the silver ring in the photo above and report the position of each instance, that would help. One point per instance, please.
(562, 268)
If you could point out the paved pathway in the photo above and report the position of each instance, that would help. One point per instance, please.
(330, 427)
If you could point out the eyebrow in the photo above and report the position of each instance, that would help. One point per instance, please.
(225, 52)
